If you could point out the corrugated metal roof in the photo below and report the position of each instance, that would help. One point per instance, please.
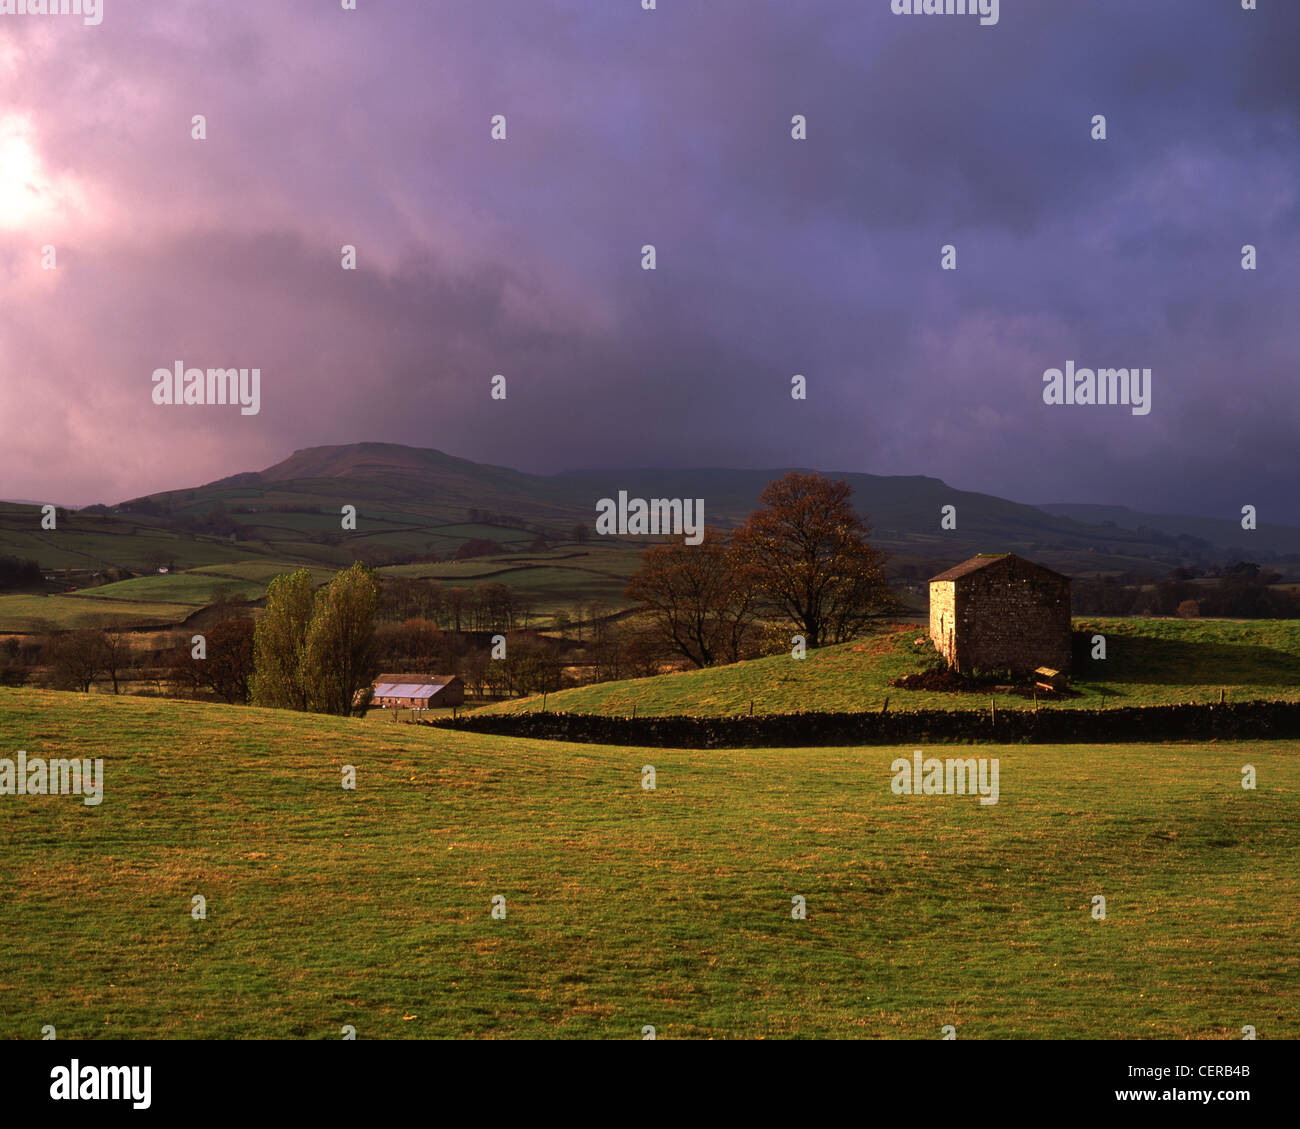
(408, 689)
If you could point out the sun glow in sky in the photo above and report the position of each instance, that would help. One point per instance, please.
(29, 196)
(20, 176)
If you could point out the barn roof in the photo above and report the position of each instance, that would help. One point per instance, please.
(408, 689)
(411, 686)
(983, 560)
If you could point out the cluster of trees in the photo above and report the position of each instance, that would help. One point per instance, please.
(76, 659)
(531, 663)
(17, 657)
(16, 572)
(802, 559)
(1240, 591)
(488, 606)
(627, 648)
(315, 650)
(226, 668)
(311, 650)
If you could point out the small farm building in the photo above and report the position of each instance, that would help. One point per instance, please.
(418, 692)
(998, 611)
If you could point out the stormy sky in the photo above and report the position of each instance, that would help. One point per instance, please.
(670, 127)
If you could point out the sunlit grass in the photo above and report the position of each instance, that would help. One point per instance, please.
(627, 907)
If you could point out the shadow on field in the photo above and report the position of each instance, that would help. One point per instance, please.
(1139, 659)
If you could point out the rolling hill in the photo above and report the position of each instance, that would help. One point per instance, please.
(1149, 662)
(414, 503)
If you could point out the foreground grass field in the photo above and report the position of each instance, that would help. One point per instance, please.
(1148, 662)
(627, 907)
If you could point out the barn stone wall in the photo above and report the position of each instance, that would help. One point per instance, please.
(943, 616)
(1012, 615)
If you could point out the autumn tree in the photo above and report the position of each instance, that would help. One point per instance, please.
(695, 598)
(805, 554)
(457, 604)
(115, 655)
(228, 668)
(76, 658)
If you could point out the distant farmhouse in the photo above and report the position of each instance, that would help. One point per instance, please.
(997, 611)
(418, 692)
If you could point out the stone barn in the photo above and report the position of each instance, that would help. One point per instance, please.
(998, 611)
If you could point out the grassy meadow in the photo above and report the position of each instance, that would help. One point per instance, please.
(23, 612)
(627, 907)
(555, 582)
(1148, 662)
(153, 600)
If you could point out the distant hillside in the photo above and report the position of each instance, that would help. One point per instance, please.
(1226, 531)
(414, 503)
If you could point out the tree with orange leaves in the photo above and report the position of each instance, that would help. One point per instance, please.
(806, 555)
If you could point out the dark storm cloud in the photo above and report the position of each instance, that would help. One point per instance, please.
(669, 127)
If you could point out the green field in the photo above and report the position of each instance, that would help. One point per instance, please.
(1148, 662)
(627, 907)
(192, 588)
(28, 613)
(556, 581)
(146, 601)
(261, 571)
